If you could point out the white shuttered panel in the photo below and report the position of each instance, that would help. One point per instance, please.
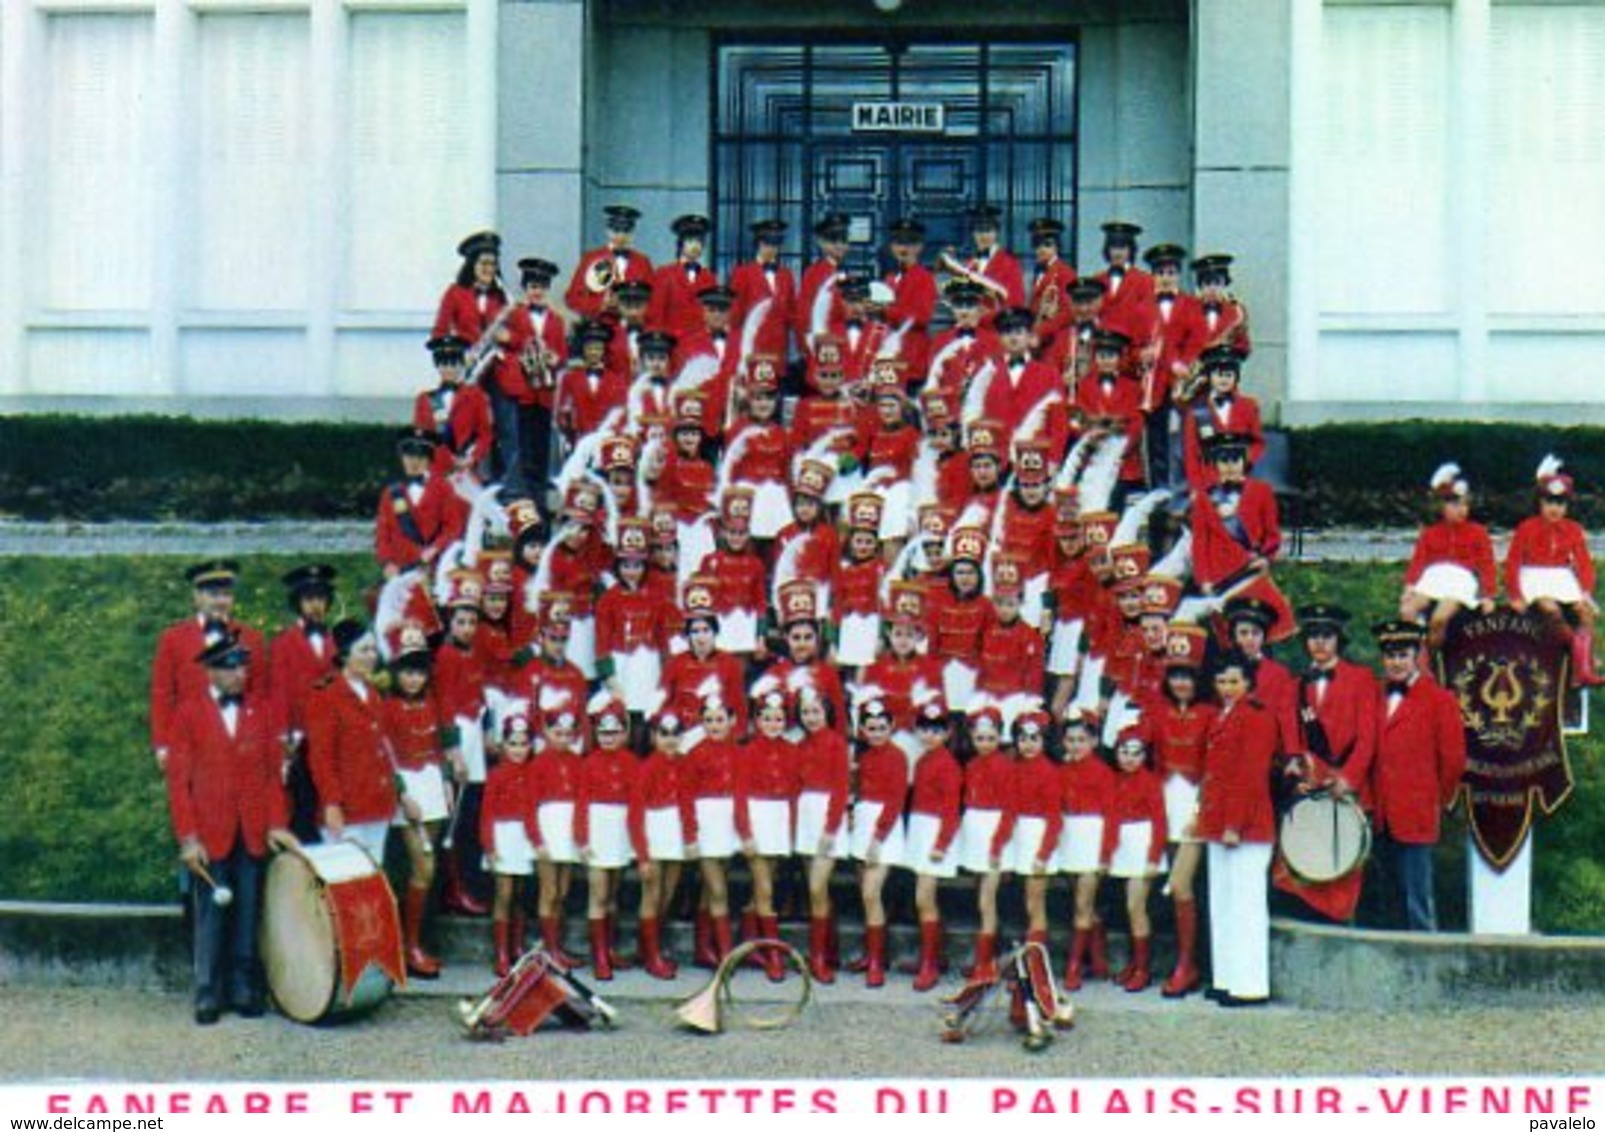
(1382, 181)
(254, 167)
(1546, 160)
(407, 156)
(98, 179)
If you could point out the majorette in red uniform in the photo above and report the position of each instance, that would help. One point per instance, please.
(554, 787)
(1011, 664)
(986, 827)
(1338, 725)
(663, 827)
(472, 303)
(677, 286)
(1038, 819)
(702, 665)
(458, 415)
(175, 673)
(743, 593)
(507, 831)
(759, 451)
(602, 823)
(877, 825)
(824, 771)
(958, 615)
(1086, 788)
(601, 269)
(1134, 837)
(1237, 821)
(227, 805)
(1421, 755)
(465, 663)
(419, 514)
(1548, 566)
(764, 279)
(931, 831)
(686, 481)
(856, 591)
(1237, 534)
(820, 548)
(1452, 567)
(633, 624)
(798, 614)
(766, 804)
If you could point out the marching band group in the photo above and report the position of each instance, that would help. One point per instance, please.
(820, 577)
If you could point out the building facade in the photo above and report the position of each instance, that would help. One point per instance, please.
(248, 207)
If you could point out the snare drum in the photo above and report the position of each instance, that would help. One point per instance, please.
(331, 939)
(1324, 838)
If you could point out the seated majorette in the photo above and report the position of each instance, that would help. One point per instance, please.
(1087, 785)
(1134, 837)
(856, 589)
(1011, 668)
(959, 614)
(877, 825)
(931, 829)
(1549, 568)
(986, 828)
(893, 445)
(1024, 525)
(602, 824)
(742, 594)
(689, 675)
(758, 453)
(904, 675)
(633, 625)
(1452, 567)
(800, 617)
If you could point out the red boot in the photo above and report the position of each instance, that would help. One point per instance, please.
(721, 937)
(821, 965)
(702, 953)
(1140, 976)
(653, 961)
(552, 938)
(419, 961)
(929, 973)
(773, 965)
(1098, 951)
(1583, 674)
(516, 941)
(620, 961)
(601, 953)
(500, 931)
(985, 968)
(455, 897)
(875, 956)
(1078, 956)
(1185, 979)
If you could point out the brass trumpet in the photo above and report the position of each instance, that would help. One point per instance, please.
(1048, 308)
(705, 1010)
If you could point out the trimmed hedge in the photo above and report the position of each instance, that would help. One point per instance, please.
(99, 468)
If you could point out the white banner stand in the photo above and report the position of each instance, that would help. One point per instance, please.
(1501, 903)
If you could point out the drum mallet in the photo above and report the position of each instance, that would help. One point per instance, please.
(222, 894)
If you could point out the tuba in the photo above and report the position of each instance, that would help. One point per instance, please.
(599, 276)
(707, 1009)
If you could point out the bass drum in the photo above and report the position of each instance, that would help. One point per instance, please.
(331, 938)
(1324, 838)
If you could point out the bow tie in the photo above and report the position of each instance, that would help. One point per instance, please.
(719, 335)
(982, 257)
(594, 374)
(534, 309)
(415, 481)
(1211, 308)
(770, 268)
(1084, 329)
(1398, 687)
(482, 292)
(1320, 674)
(1017, 363)
(855, 324)
(214, 630)
(692, 271)
(1117, 273)
(229, 699)
(966, 333)
(1107, 380)
(314, 631)
(1222, 402)
(1165, 297)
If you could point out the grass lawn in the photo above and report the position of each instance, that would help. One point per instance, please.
(90, 819)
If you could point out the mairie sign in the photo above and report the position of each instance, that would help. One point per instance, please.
(898, 117)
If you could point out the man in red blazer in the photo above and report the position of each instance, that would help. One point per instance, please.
(299, 657)
(1128, 290)
(419, 513)
(993, 263)
(765, 279)
(1420, 757)
(600, 270)
(676, 286)
(913, 293)
(521, 395)
(175, 674)
(228, 809)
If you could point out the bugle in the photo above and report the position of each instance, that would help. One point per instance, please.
(707, 1009)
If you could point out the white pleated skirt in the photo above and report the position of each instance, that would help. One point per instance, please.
(1448, 581)
(738, 630)
(427, 787)
(1064, 647)
(919, 839)
(640, 672)
(976, 830)
(958, 685)
(865, 815)
(515, 856)
(813, 807)
(772, 834)
(1081, 844)
(1031, 611)
(716, 828)
(1130, 858)
(1555, 582)
(771, 508)
(1181, 808)
(556, 823)
(610, 835)
(665, 834)
(858, 638)
(1024, 846)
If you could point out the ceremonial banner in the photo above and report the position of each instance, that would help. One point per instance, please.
(1510, 674)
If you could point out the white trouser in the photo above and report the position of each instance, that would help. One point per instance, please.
(1240, 919)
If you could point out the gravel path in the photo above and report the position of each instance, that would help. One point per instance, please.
(72, 1034)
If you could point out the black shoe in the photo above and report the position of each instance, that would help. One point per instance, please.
(1232, 1001)
(251, 1008)
(207, 1015)
(1215, 994)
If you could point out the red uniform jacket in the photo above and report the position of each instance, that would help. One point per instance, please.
(766, 771)
(586, 396)
(765, 454)
(1347, 711)
(1204, 418)
(857, 587)
(896, 680)
(1226, 325)
(752, 285)
(1011, 659)
(686, 484)
(914, 302)
(605, 778)
(742, 581)
(460, 418)
(628, 619)
(1057, 277)
(1538, 542)
(1003, 269)
(660, 783)
(415, 729)
(1026, 532)
(1119, 402)
(584, 302)
(725, 348)
(883, 778)
(1168, 345)
(958, 354)
(1016, 390)
(1136, 797)
(1039, 788)
(554, 776)
(544, 329)
(176, 675)
(1128, 299)
(894, 449)
(1177, 736)
(956, 627)
(816, 415)
(685, 673)
(461, 675)
(1235, 794)
(467, 311)
(824, 766)
(297, 664)
(713, 769)
(346, 751)
(814, 277)
(538, 673)
(1421, 754)
(1086, 788)
(675, 288)
(406, 527)
(937, 791)
(1231, 526)
(224, 789)
(989, 785)
(1462, 544)
(822, 676)
(508, 797)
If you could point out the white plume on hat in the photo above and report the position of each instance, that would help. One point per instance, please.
(1101, 475)
(1548, 467)
(1135, 517)
(554, 696)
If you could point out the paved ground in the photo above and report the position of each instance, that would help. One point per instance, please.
(111, 1035)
